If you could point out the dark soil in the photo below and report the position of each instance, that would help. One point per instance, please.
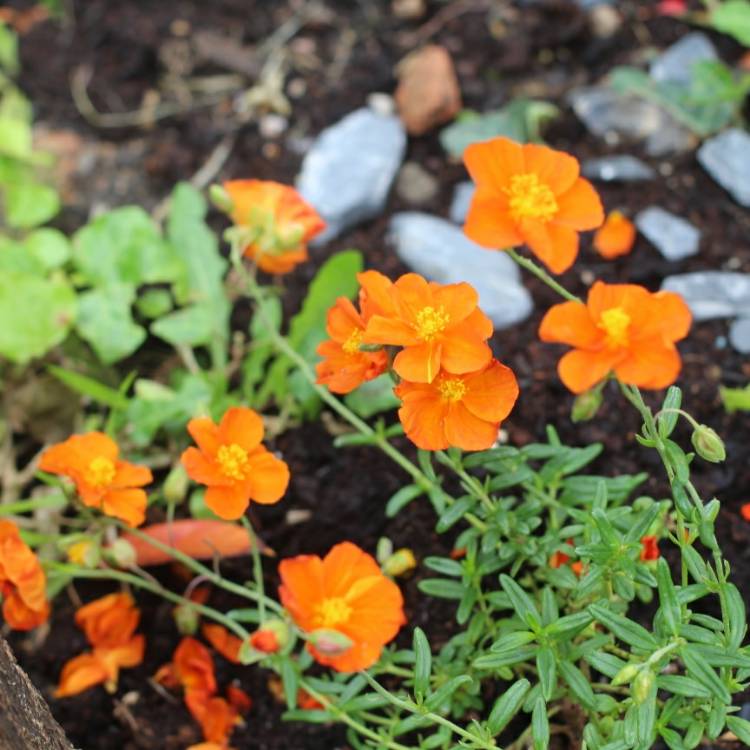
(338, 59)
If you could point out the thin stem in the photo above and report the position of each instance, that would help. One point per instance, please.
(257, 567)
(541, 274)
(419, 711)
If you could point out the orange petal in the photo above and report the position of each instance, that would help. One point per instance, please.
(269, 477)
(488, 223)
(127, 505)
(342, 319)
(615, 237)
(412, 293)
(461, 354)
(360, 656)
(650, 364)
(466, 431)
(19, 616)
(492, 163)
(344, 565)
(205, 433)
(458, 301)
(423, 418)
(241, 426)
(580, 207)
(670, 316)
(555, 245)
(419, 364)
(301, 587)
(76, 453)
(378, 290)
(491, 393)
(229, 503)
(390, 331)
(377, 615)
(226, 643)
(79, 674)
(200, 469)
(556, 169)
(201, 540)
(570, 323)
(131, 475)
(579, 370)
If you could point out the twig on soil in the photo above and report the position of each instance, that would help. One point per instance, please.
(443, 17)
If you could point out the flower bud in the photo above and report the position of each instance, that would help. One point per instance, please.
(626, 674)
(186, 618)
(270, 637)
(586, 405)
(330, 642)
(85, 553)
(176, 485)
(400, 562)
(642, 686)
(121, 553)
(220, 198)
(708, 445)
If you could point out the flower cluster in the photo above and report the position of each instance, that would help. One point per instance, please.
(345, 604)
(273, 223)
(453, 392)
(109, 624)
(192, 669)
(102, 479)
(231, 461)
(22, 581)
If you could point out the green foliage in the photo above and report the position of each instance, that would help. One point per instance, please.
(735, 399)
(732, 17)
(522, 120)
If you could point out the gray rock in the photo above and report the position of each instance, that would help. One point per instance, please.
(415, 184)
(726, 157)
(675, 65)
(617, 117)
(739, 335)
(713, 294)
(671, 235)
(617, 168)
(441, 252)
(461, 201)
(349, 169)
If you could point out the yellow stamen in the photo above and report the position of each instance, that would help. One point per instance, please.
(233, 461)
(351, 345)
(452, 389)
(101, 472)
(331, 612)
(431, 322)
(530, 198)
(615, 322)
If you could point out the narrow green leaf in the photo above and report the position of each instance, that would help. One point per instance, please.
(670, 607)
(89, 387)
(625, 629)
(579, 685)
(436, 699)
(700, 669)
(540, 725)
(422, 664)
(740, 727)
(507, 705)
(668, 421)
(522, 603)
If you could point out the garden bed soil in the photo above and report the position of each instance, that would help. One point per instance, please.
(349, 52)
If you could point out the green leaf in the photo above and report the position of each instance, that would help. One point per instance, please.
(506, 658)
(124, 246)
(373, 397)
(15, 257)
(737, 616)
(89, 387)
(732, 17)
(578, 684)
(546, 667)
(679, 461)
(699, 669)
(16, 140)
(507, 706)
(740, 727)
(681, 685)
(439, 697)
(441, 588)
(735, 399)
(540, 725)
(191, 326)
(401, 498)
(522, 603)
(29, 204)
(153, 303)
(49, 246)
(455, 513)
(261, 348)
(670, 606)
(290, 682)
(625, 629)
(522, 120)
(444, 565)
(422, 664)
(105, 322)
(8, 50)
(668, 420)
(36, 314)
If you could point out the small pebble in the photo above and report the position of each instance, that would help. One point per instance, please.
(674, 237)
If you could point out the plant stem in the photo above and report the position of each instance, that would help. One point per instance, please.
(541, 274)
(257, 567)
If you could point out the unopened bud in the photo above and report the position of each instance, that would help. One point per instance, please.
(708, 445)
(220, 198)
(626, 674)
(186, 618)
(121, 553)
(270, 637)
(642, 686)
(176, 485)
(330, 642)
(400, 562)
(586, 405)
(85, 553)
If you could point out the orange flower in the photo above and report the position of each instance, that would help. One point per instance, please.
(649, 548)
(307, 703)
(278, 222)
(615, 237)
(227, 644)
(439, 326)
(346, 593)
(529, 194)
(345, 367)
(191, 668)
(745, 511)
(234, 465)
(558, 559)
(265, 641)
(102, 479)
(458, 410)
(22, 581)
(100, 666)
(623, 329)
(109, 621)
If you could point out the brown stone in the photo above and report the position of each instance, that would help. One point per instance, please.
(428, 93)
